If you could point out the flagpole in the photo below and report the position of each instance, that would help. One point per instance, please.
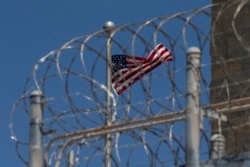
(108, 28)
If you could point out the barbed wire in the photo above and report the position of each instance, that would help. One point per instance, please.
(72, 79)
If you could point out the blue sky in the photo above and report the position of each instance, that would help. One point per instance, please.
(30, 29)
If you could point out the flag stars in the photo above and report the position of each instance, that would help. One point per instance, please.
(119, 62)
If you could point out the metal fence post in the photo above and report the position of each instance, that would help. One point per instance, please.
(35, 134)
(192, 107)
(108, 28)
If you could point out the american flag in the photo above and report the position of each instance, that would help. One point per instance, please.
(129, 69)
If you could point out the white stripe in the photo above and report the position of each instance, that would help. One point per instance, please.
(133, 61)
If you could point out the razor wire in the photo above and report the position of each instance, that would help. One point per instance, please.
(72, 79)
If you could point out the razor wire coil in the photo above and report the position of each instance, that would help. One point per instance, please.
(72, 79)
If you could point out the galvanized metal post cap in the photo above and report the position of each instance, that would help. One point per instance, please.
(192, 50)
(217, 137)
(36, 93)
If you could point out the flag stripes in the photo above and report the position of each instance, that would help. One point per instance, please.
(137, 67)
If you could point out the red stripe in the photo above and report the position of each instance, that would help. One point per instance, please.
(135, 57)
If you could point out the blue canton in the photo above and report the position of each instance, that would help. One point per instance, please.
(119, 62)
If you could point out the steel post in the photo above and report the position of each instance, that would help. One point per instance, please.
(35, 134)
(192, 107)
